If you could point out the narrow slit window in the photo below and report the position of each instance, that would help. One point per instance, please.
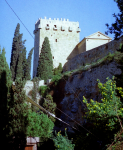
(56, 40)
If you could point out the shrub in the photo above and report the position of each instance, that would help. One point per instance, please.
(56, 78)
(110, 107)
(62, 142)
(50, 106)
(58, 70)
(43, 90)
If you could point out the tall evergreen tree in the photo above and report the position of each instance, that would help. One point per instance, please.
(28, 65)
(24, 62)
(18, 64)
(14, 122)
(5, 84)
(45, 64)
(15, 51)
(21, 64)
(18, 122)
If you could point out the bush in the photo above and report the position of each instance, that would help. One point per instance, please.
(43, 90)
(56, 78)
(39, 125)
(50, 106)
(62, 142)
(58, 70)
(110, 107)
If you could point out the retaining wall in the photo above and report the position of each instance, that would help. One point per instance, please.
(92, 55)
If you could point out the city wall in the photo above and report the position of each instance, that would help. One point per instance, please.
(92, 55)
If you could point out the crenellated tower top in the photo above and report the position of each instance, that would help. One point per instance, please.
(56, 24)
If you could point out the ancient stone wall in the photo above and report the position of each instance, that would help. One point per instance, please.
(79, 85)
(92, 55)
(63, 37)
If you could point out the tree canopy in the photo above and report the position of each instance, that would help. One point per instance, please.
(117, 27)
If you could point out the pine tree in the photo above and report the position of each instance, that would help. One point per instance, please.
(45, 64)
(28, 65)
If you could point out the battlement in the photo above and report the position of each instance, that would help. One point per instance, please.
(56, 24)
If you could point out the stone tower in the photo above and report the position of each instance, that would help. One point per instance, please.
(63, 37)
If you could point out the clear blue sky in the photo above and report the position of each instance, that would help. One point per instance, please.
(92, 16)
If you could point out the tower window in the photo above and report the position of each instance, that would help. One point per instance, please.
(53, 57)
(47, 27)
(55, 27)
(56, 40)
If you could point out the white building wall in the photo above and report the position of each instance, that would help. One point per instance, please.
(63, 37)
(92, 43)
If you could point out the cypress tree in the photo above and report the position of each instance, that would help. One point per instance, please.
(5, 88)
(28, 65)
(18, 62)
(45, 64)
(24, 62)
(13, 116)
(15, 51)
(17, 128)
(21, 64)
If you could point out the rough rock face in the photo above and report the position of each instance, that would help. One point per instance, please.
(79, 85)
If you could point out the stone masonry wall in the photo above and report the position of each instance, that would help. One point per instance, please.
(92, 55)
(79, 85)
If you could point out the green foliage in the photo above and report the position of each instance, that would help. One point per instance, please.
(39, 125)
(56, 78)
(103, 119)
(43, 90)
(20, 67)
(117, 27)
(58, 70)
(18, 55)
(17, 109)
(45, 64)
(28, 65)
(5, 97)
(20, 63)
(50, 106)
(15, 51)
(4, 67)
(17, 120)
(34, 92)
(62, 142)
(118, 141)
(110, 107)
